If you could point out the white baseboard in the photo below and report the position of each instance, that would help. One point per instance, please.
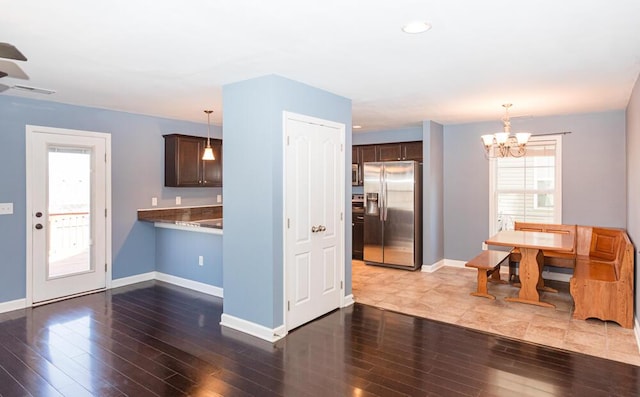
(257, 330)
(547, 275)
(138, 278)
(190, 284)
(13, 305)
(442, 263)
(636, 331)
(348, 300)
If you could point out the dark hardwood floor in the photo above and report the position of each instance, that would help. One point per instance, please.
(154, 339)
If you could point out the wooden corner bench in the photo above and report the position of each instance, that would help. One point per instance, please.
(602, 284)
(488, 264)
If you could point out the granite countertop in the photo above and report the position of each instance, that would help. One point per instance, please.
(204, 216)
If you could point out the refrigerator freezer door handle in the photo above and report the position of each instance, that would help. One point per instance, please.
(384, 186)
(381, 201)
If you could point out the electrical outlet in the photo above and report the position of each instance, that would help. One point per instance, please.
(154, 201)
(201, 260)
(6, 208)
(178, 200)
(219, 198)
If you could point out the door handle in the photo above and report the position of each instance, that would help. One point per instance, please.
(38, 214)
(319, 228)
(314, 229)
(38, 226)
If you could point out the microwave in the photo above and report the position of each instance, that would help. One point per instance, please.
(355, 174)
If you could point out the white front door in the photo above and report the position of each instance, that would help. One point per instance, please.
(67, 228)
(314, 229)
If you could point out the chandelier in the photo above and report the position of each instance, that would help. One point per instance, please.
(503, 144)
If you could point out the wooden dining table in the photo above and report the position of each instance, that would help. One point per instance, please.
(531, 245)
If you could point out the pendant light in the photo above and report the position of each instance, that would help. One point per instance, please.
(208, 151)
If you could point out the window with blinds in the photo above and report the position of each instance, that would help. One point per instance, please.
(528, 188)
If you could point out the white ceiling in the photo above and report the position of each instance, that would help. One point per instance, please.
(170, 58)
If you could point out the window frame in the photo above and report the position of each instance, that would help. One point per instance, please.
(557, 210)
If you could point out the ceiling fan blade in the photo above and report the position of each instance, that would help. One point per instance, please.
(2, 74)
(11, 52)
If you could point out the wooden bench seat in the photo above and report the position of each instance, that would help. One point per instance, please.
(602, 282)
(488, 264)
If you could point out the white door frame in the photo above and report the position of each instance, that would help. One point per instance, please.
(30, 131)
(341, 127)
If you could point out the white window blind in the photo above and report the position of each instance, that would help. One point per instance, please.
(528, 188)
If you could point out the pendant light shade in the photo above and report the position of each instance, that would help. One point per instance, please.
(208, 151)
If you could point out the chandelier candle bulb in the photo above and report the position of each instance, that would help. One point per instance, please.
(503, 144)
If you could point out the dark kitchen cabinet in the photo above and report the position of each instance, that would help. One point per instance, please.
(362, 154)
(183, 164)
(399, 151)
(358, 235)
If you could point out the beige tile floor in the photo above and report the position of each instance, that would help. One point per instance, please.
(444, 295)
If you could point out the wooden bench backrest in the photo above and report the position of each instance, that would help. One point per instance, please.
(549, 228)
(608, 244)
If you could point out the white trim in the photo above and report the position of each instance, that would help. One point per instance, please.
(190, 284)
(30, 130)
(549, 275)
(13, 305)
(442, 263)
(348, 300)
(257, 330)
(636, 331)
(197, 229)
(138, 278)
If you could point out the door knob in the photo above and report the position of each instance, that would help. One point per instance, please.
(321, 228)
(314, 229)
(38, 226)
(38, 214)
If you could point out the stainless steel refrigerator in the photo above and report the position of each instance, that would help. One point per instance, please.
(393, 216)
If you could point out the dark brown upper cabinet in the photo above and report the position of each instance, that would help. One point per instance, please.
(183, 164)
(400, 151)
(362, 154)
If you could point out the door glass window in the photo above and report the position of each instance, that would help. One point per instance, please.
(69, 191)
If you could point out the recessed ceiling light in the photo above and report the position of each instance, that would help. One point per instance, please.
(356, 127)
(415, 27)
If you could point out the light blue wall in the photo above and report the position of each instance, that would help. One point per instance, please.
(177, 254)
(593, 175)
(386, 136)
(253, 212)
(137, 175)
(633, 176)
(432, 192)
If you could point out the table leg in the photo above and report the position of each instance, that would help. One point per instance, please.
(530, 265)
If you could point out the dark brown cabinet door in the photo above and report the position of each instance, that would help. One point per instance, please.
(362, 154)
(412, 151)
(389, 152)
(212, 169)
(183, 164)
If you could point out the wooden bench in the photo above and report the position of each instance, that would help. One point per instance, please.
(488, 264)
(602, 284)
(551, 258)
